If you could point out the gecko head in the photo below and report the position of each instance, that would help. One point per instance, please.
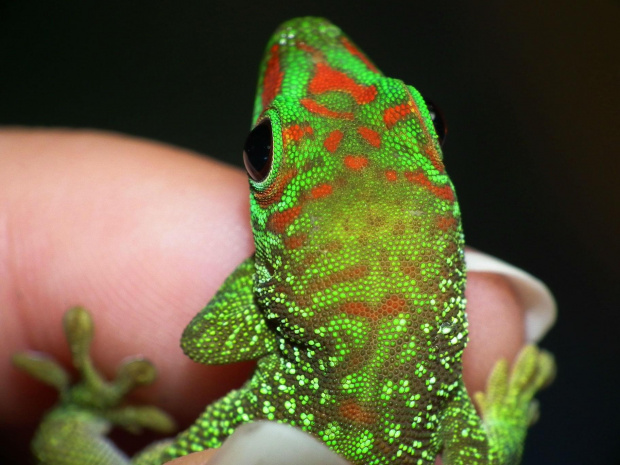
(351, 207)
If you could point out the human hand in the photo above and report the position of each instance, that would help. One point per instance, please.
(143, 234)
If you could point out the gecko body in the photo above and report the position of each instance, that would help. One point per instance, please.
(353, 304)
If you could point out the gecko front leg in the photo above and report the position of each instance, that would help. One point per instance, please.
(74, 430)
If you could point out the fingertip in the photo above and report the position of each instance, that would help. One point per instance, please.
(496, 327)
(506, 309)
(197, 458)
(535, 297)
(274, 443)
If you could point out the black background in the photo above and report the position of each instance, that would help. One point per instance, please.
(529, 89)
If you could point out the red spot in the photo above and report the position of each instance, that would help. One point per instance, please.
(353, 50)
(392, 306)
(446, 223)
(273, 77)
(390, 175)
(279, 221)
(295, 241)
(332, 141)
(372, 137)
(354, 272)
(433, 155)
(443, 192)
(352, 410)
(274, 192)
(397, 113)
(295, 132)
(322, 190)
(358, 309)
(355, 162)
(314, 107)
(348, 274)
(328, 79)
(308, 48)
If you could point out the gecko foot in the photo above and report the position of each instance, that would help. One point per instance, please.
(510, 392)
(92, 397)
(508, 406)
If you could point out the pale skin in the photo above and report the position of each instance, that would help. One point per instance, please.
(142, 234)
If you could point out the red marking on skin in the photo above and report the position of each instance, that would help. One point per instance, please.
(391, 176)
(332, 141)
(348, 274)
(433, 155)
(322, 190)
(314, 107)
(273, 77)
(295, 132)
(353, 411)
(358, 309)
(308, 48)
(353, 50)
(355, 162)
(328, 79)
(274, 192)
(445, 223)
(397, 113)
(354, 272)
(393, 306)
(279, 221)
(294, 242)
(443, 192)
(372, 137)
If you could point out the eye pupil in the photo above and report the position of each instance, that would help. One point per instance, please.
(258, 151)
(439, 122)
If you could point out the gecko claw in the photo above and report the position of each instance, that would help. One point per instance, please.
(42, 367)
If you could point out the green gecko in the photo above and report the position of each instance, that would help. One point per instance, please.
(353, 304)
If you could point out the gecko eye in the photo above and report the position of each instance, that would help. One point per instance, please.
(258, 151)
(441, 128)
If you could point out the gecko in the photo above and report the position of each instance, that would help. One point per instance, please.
(353, 303)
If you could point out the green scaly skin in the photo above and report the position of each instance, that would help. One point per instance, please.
(353, 304)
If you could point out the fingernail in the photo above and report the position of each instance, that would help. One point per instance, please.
(533, 293)
(274, 443)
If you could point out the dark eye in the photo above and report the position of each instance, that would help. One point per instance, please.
(258, 151)
(441, 128)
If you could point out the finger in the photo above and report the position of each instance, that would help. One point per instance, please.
(140, 233)
(506, 308)
(266, 442)
(197, 458)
